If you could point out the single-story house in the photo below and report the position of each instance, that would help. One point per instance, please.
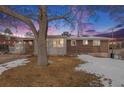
(59, 45)
(62, 45)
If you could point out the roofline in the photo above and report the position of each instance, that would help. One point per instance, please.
(88, 38)
(60, 36)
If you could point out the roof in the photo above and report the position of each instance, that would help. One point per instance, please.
(49, 36)
(56, 36)
(68, 38)
(88, 38)
(26, 39)
(72, 37)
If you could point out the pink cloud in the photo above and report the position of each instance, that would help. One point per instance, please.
(53, 31)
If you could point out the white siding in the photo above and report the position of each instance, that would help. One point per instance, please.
(18, 48)
(55, 50)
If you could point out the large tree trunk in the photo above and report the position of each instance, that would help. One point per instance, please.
(42, 52)
(42, 43)
(35, 47)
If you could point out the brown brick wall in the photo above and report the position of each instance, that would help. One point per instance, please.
(80, 48)
(5, 41)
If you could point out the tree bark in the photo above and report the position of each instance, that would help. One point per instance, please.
(35, 47)
(42, 52)
(42, 43)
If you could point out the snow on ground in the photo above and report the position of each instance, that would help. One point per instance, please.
(105, 67)
(12, 64)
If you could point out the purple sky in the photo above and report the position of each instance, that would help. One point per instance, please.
(100, 26)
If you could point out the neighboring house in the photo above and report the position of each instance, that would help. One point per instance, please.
(116, 43)
(6, 42)
(13, 44)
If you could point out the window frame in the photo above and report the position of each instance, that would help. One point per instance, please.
(58, 43)
(85, 43)
(97, 43)
(73, 44)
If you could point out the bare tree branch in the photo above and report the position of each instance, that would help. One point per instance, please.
(58, 17)
(6, 10)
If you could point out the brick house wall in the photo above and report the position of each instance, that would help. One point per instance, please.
(80, 48)
(4, 40)
(6, 43)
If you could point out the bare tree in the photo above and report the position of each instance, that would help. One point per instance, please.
(78, 13)
(41, 35)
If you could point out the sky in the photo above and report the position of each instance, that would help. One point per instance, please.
(103, 23)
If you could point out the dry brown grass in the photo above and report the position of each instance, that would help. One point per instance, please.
(59, 74)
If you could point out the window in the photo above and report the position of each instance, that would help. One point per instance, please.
(73, 42)
(4, 42)
(30, 43)
(58, 43)
(96, 42)
(20, 42)
(14, 42)
(85, 42)
(24, 42)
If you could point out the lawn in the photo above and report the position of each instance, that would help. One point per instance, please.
(61, 73)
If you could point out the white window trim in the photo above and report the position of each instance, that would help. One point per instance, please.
(85, 43)
(30, 43)
(58, 43)
(72, 44)
(96, 42)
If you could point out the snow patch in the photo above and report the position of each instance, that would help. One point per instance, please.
(12, 64)
(50, 62)
(111, 70)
